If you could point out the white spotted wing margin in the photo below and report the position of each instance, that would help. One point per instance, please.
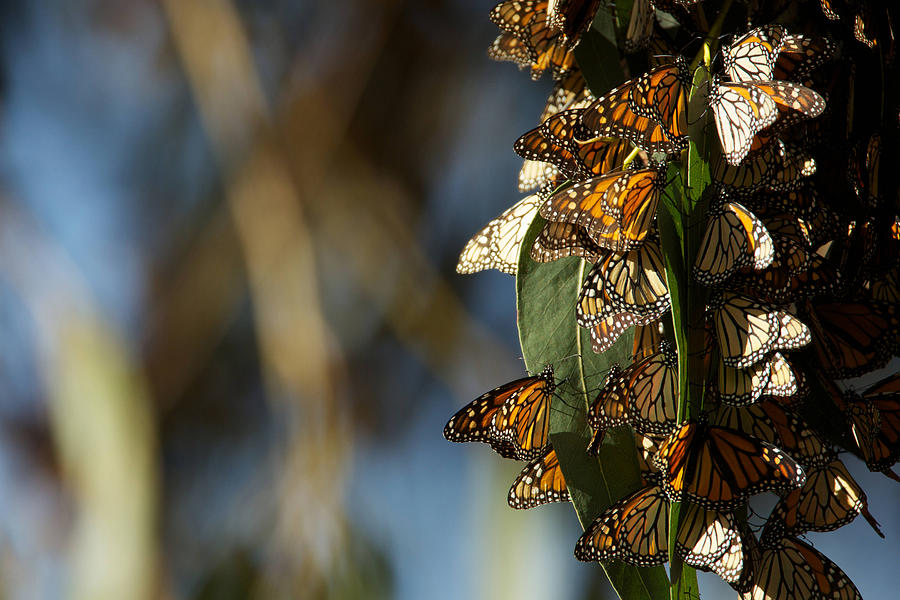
(497, 246)
(540, 482)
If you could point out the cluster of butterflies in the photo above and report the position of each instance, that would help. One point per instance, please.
(799, 259)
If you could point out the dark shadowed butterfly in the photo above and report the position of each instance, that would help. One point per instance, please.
(634, 530)
(829, 499)
(771, 422)
(645, 396)
(778, 167)
(800, 55)
(792, 569)
(852, 338)
(572, 17)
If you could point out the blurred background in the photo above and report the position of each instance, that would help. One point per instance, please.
(231, 330)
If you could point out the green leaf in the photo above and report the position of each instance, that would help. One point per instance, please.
(546, 295)
(598, 56)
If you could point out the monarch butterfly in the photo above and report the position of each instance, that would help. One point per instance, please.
(614, 115)
(599, 157)
(662, 94)
(872, 245)
(885, 286)
(645, 395)
(497, 245)
(616, 210)
(527, 20)
(523, 421)
(852, 338)
(534, 145)
(710, 540)
(741, 110)
(536, 174)
(720, 468)
(509, 48)
(829, 499)
(523, 407)
(568, 92)
(571, 17)
(559, 240)
(540, 482)
(863, 170)
(778, 167)
(792, 569)
(863, 26)
(875, 424)
(562, 128)
(605, 332)
(634, 530)
(800, 55)
(770, 377)
(752, 57)
(829, 13)
(591, 158)
(802, 203)
(640, 26)
(772, 423)
(796, 273)
(646, 340)
(747, 330)
(734, 238)
(647, 447)
(632, 282)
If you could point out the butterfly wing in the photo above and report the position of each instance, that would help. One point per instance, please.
(719, 468)
(793, 569)
(616, 210)
(734, 238)
(634, 530)
(497, 245)
(540, 482)
(752, 56)
(740, 112)
(612, 116)
(472, 423)
(747, 330)
(559, 240)
(523, 421)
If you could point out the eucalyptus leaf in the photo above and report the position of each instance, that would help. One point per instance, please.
(546, 295)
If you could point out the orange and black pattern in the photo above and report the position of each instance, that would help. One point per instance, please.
(791, 253)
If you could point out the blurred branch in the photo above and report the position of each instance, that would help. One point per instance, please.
(100, 417)
(193, 308)
(298, 355)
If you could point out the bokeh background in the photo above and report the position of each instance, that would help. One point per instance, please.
(230, 330)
